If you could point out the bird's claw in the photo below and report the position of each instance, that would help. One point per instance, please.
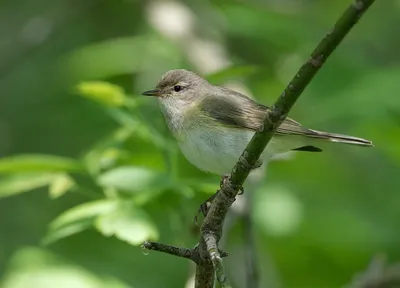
(226, 178)
(204, 208)
(223, 180)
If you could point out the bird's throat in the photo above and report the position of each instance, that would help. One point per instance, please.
(178, 114)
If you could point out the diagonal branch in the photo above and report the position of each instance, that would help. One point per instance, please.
(212, 224)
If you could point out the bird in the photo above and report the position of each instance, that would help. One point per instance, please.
(213, 125)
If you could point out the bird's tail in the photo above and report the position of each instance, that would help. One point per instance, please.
(339, 138)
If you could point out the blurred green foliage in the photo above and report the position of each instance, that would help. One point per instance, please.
(103, 173)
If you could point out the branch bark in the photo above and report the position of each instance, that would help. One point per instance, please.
(188, 253)
(213, 222)
(192, 254)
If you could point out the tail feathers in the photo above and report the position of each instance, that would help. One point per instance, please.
(339, 138)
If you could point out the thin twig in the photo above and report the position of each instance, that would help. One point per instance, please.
(189, 253)
(212, 224)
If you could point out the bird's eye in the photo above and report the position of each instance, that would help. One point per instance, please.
(177, 88)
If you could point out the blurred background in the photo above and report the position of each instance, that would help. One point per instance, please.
(88, 169)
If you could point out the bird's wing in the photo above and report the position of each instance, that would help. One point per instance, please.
(244, 113)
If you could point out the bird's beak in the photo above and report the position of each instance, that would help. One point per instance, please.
(155, 92)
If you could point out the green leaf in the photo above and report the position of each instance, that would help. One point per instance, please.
(105, 59)
(102, 92)
(140, 128)
(20, 183)
(134, 179)
(230, 73)
(38, 163)
(77, 219)
(60, 185)
(119, 56)
(110, 217)
(39, 268)
(127, 223)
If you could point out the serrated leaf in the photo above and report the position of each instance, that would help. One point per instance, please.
(134, 179)
(128, 223)
(102, 92)
(24, 182)
(60, 185)
(78, 218)
(38, 163)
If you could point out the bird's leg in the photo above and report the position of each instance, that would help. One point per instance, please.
(258, 164)
(226, 178)
(205, 206)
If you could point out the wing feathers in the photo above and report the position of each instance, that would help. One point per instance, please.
(246, 113)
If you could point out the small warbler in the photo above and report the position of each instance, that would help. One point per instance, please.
(213, 125)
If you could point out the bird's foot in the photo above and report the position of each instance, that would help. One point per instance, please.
(205, 207)
(226, 178)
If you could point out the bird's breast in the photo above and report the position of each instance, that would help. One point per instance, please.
(214, 150)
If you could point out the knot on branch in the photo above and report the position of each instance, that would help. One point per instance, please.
(211, 241)
(359, 5)
(316, 61)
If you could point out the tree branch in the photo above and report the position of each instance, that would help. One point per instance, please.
(192, 254)
(213, 222)
(188, 253)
